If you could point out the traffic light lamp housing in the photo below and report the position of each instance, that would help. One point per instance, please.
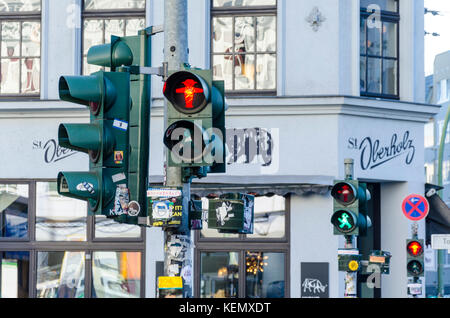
(195, 134)
(350, 199)
(105, 138)
(415, 257)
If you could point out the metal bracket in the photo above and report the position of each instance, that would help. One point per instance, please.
(145, 70)
(155, 29)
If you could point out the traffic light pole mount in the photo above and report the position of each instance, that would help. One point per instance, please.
(350, 277)
(175, 55)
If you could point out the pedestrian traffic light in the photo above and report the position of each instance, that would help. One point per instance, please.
(415, 257)
(350, 208)
(195, 134)
(130, 54)
(105, 138)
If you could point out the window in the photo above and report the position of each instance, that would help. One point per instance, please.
(64, 252)
(103, 18)
(14, 204)
(246, 266)
(14, 274)
(244, 45)
(429, 134)
(58, 218)
(379, 44)
(60, 274)
(443, 91)
(20, 29)
(116, 275)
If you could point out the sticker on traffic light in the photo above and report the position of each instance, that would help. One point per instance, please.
(415, 258)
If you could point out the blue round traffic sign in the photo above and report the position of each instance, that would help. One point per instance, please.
(415, 207)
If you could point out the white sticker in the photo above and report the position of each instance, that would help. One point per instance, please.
(118, 177)
(122, 125)
(134, 208)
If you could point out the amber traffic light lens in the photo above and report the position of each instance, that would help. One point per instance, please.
(415, 248)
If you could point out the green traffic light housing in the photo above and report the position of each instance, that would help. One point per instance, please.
(415, 257)
(195, 135)
(350, 198)
(114, 54)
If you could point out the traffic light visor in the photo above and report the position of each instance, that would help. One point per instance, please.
(186, 141)
(80, 185)
(187, 92)
(344, 193)
(414, 248)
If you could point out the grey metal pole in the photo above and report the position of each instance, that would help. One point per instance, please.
(176, 53)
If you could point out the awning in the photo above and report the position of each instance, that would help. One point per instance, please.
(438, 219)
(260, 185)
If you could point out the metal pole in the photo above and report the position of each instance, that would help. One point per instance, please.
(350, 277)
(177, 263)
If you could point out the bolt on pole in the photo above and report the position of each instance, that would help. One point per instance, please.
(177, 263)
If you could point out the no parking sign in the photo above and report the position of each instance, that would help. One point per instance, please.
(415, 207)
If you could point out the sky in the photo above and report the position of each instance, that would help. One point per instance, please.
(435, 45)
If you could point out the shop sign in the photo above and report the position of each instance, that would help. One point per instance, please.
(232, 213)
(374, 153)
(315, 280)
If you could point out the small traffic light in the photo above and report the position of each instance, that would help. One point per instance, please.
(350, 208)
(195, 134)
(105, 138)
(415, 258)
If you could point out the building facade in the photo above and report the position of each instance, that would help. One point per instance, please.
(438, 92)
(309, 84)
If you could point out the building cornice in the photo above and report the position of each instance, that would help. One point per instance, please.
(252, 106)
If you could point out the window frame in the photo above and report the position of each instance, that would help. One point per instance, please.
(385, 16)
(241, 245)
(104, 14)
(89, 246)
(246, 11)
(27, 16)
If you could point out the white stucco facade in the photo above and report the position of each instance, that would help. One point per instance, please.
(317, 118)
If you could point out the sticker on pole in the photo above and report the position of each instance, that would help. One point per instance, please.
(415, 207)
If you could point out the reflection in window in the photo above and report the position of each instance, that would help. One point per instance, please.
(243, 3)
(108, 228)
(115, 4)
(60, 275)
(265, 276)
(116, 275)
(20, 50)
(14, 274)
(20, 5)
(58, 218)
(219, 275)
(13, 210)
(384, 5)
(244, 47)
(270, 214)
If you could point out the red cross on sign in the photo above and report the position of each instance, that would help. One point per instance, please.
(415, 207)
